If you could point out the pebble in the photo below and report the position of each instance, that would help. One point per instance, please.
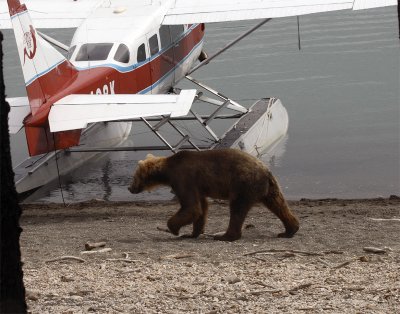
(66, 279)
(32, 295)
(232, 280)
(75, 298)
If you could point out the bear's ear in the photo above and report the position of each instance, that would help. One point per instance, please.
(140, 162)
(150, 156)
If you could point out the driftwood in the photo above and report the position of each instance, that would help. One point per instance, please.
(63, 258)
(384, 219)
(264, 285)
(123, 260)
(177, 256)
(332, 252)
(343, 264)
(302, 286)
(283, 251)
(93, 245)
(105, 250)
(260, 292)
(377, 250)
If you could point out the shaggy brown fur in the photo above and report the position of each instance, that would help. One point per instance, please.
(224, 174)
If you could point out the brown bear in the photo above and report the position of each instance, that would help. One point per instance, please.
(228, 174)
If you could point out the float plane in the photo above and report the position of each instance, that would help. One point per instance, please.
(122, 66)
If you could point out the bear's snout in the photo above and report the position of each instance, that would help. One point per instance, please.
(133, 190)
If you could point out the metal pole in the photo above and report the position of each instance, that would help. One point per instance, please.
(206, 61)
(298, 32)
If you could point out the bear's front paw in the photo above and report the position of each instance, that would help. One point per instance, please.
(173, 228)
(286, 235)
(187, 236)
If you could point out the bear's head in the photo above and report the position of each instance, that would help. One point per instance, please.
(148, 174)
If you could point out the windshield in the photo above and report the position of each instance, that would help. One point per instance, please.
(94, 52)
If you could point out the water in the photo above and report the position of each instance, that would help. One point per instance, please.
(341, 92)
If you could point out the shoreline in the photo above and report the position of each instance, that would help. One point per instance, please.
(301, 201)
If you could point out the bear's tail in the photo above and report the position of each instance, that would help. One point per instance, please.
(276, 203)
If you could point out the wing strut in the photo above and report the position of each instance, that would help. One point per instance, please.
(206, 61)
(230, 103)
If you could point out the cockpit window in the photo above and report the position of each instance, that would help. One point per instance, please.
(94, 52)
(71, 52)
(122, 54)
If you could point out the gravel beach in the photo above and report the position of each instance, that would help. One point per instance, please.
(344, 259)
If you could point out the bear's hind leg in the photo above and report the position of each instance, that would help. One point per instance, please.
(277, 204)
(279, 207)
(239, 208)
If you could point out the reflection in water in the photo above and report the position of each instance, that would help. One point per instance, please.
(274, 157)
(105, 178)
(67, 187)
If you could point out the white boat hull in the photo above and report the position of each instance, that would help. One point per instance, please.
(267, 132)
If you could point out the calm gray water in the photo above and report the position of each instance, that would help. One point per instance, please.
(341, 92)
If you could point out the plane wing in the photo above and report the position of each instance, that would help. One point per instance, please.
(70, 14)
(76, 111)
(53, 13)
(19, 110)
(207, 11)
(369, 4)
